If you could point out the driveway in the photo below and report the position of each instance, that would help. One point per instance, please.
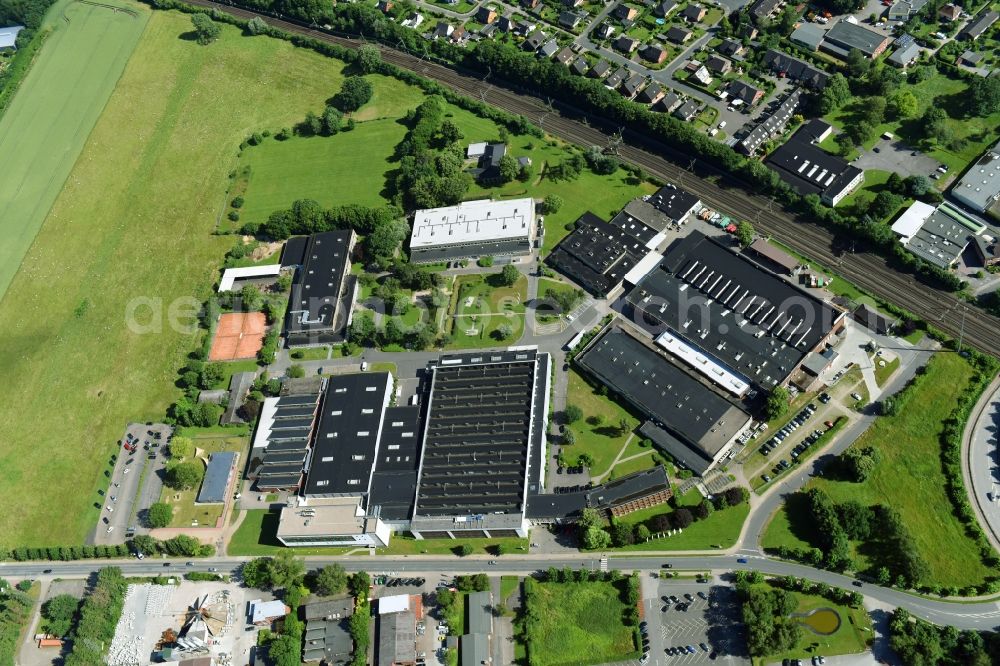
(894, 155)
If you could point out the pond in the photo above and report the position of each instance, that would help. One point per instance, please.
(821, 621)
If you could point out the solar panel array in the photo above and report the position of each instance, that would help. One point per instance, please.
(476, 444)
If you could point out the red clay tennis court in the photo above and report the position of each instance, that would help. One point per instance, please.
(239, 335)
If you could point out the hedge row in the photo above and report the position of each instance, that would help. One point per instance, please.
(98, 618)
(179, 546)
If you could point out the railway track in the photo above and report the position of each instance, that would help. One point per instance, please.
(867, 270)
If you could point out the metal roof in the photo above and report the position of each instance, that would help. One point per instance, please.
(220, 468)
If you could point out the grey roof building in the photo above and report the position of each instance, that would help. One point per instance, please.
(980, 24)
(979, 187)
(675, 203)
(772, 125)
(845, 36)
(221, 467)
(783, 64)
(812, 170)
(765, 9)
(8, 37)
(745, 92)
(327, 636)
(323, 289)
(579, 66)
(549, 48)
(282, 441)
(903, 57)
(600, 69)
(808, 35)
(688, 110)
(397, 639)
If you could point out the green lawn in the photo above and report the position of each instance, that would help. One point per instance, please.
(47, 124)
(556, 286)
(349, 167)
(186, 512)
(719, 530)
(311, 354)
(581, 623)
(850, 638)
(627, 467)
(508, 585)
(601, 441)
(946, 93)
(256, 537)
(230, 368)
(884, 373)
(153, 171)
(479, 308)
(909, 479)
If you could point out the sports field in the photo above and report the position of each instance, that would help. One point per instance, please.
(133, 221)
(53, 112)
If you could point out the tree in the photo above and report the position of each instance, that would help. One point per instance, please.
(465, 550)
(744, 233)
(572, 413)
(383, 241)
(504, 332)
(184, 475)
(589, 517)
(621, 534)
(509, 275)
(284, 650)
(836, 92)
(256, 573)
(330, 580)
(296, 371)
(586, 460)
(873, 110)
(777, 403)
(332, 119)
(569, 437)
(205, 28)
(983, 96)
(934, 124)
(359, 583)
(369, 58)
(256, 26)
(59, 612)
(682, 518)
(885, 204)
(143, 543)
(181, 447)
(450, 133)
(509, 168)
(595, 538)
(903, 104)
(285, 570)
(160, 515)
(354, 93)
(917, 185)
(641, 533)
(551, 204)
(857, 63)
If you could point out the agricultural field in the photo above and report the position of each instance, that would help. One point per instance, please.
(909, 478)
(586, 616)
(46, 125)
(111, 238)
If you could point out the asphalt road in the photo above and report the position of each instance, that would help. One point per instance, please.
(973, 615)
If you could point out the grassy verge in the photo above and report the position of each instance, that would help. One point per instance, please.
(406, 545)
(719, 530)
(311, 354)
(883, 373)
(112, 237)
(256, 537)
(909, 479)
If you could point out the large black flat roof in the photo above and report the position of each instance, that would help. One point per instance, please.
(754, 323)
(347, 434)
(394, 483)
(665, 392)
(810, 169)
(597, 255)
(313, 305)
(674, 202)
(479, 425)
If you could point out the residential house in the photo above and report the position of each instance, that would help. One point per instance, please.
(534, 41)
(669, 102)
(730, 47)
(505, 24)
(385, 6)
(693, 13)
(549, 48)
(702, 76)
(8, 37)
(687, 110)
(905, 56)
(784, 65)
(525, 28)
(485, 15)
(573, 4)
(845, 36)
(763, 10)
(625, 13)
(651, 94)
(678, 35)
(745, 92)
(579, 66)
(771, 125)
(748, 31)
(632, 85)
(570, 20)
(565, 55)
(970, 58)
(600, 69)
(718, 64)
(617, 77)
(459, 34)
(663, 9)
(488, 30)
(950, 12)
(604, 31)
(414, 21)
(626, 44)
(980, 24)
(487, 169)
(903, 10)
(442, 30)
(529, 4)
(654, 53)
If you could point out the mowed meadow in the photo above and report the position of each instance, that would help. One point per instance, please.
(134, 220)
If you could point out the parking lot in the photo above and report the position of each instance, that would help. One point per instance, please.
(698, 623)
(125, 500)
(894, 155)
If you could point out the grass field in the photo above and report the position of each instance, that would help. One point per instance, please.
(479, 308)
(581, 623)
(719, 530)
(111, 237)
(601, 441)
(334, 170)
(909, 479)
(44, 130)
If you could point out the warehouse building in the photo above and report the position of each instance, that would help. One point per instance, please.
(690, 420)
(323, 291)
(218, 476)
(811, 170)
(938, 235)
(847, 36)
(677, 204)
(484, 444)
(282, 441)
(739, 323)
(474, 229)
(979, 187)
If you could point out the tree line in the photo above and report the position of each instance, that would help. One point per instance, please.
(99, 615)
(920, 643)
(15, 611)
(431, 160)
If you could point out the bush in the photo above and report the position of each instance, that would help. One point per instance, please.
(184, 475)
(160, 514)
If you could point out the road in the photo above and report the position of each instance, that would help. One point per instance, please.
(981, 461)
(715, 187)
(980, 615)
